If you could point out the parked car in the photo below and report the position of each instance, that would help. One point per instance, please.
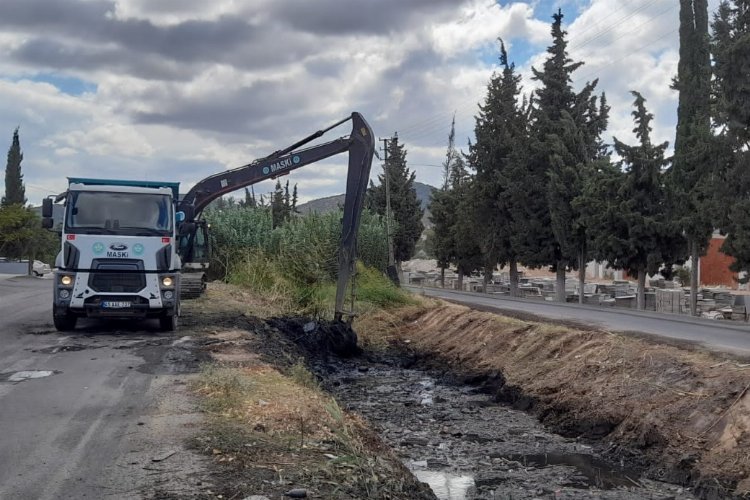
(40, 268)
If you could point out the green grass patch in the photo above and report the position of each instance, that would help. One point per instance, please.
(375, 288)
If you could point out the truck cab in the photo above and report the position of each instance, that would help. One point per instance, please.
(118, 256)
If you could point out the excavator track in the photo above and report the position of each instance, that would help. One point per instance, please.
(192, 285)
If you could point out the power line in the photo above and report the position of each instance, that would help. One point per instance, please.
(431, 124)
(604, 31)
(598, 23)
(631, 53)
(650, 20)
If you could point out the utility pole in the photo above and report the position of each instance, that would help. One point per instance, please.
(391, 271)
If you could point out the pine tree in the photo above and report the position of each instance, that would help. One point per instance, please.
(501, 137)
(691, 176)
(15, 192)
(566, 130)
(405, 207)
(294, 199)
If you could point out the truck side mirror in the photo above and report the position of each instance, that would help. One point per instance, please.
(47, 222)
(46, 208)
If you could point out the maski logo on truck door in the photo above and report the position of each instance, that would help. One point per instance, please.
(118, 251)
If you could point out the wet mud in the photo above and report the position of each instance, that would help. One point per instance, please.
(466, 445)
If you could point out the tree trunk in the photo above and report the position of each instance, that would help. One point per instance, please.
(460, 280)
(514, 279)
(31, 265)
(560, 285)
(641, 294)
(400, 273)
(581, 276)
(485, 280)
(694, 277)
(442, 277)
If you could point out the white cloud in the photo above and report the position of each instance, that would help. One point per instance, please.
(184, 88)
(481, 22)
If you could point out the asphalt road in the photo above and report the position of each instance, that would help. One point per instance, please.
(721, 336)
(72, 406)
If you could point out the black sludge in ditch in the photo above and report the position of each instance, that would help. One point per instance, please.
(465, 445)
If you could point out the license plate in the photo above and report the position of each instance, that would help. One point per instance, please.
(109, 304)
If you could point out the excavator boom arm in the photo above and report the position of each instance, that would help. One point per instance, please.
(361, 146)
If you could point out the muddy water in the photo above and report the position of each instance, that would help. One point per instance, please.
(465, 446)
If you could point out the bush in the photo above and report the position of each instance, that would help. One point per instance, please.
(297, 261)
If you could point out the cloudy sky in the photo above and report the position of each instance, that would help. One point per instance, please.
(181, 89)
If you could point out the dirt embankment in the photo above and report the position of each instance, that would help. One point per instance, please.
(683, 416)
(269, 428)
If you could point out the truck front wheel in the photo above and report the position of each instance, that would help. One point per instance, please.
(168, 323)
(65, 322)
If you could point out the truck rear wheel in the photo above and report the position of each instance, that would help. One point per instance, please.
(65, 323)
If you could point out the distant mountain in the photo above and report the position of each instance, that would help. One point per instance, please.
(329, 203)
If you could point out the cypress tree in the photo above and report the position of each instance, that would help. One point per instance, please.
(278, 209)
(730, 46)
(566, 130)
(15, 192)
(405, 207)
(691, 176)
(467, 233)
(443, 211)
(642, 201)
(501, 137)
(287, 202)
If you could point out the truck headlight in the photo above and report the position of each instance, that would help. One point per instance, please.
(167, 281)
(66, 280)
(64, 294)
(169, 295)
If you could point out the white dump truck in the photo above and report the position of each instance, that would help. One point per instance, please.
(118, 256)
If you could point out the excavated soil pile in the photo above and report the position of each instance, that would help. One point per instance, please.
(318, 338)
(683, 416)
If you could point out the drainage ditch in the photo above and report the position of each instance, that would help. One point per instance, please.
(466, 446)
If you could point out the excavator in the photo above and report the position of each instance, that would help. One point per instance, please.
(194, 231)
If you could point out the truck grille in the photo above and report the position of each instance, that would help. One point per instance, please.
(117, 277)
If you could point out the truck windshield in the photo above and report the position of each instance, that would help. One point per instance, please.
(133, 214)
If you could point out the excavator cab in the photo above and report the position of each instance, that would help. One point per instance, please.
(195, 251)
(195, 245)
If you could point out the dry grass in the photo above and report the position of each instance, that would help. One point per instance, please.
(230, 299)
(288, 407)
(377, 328)
(265, 420)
